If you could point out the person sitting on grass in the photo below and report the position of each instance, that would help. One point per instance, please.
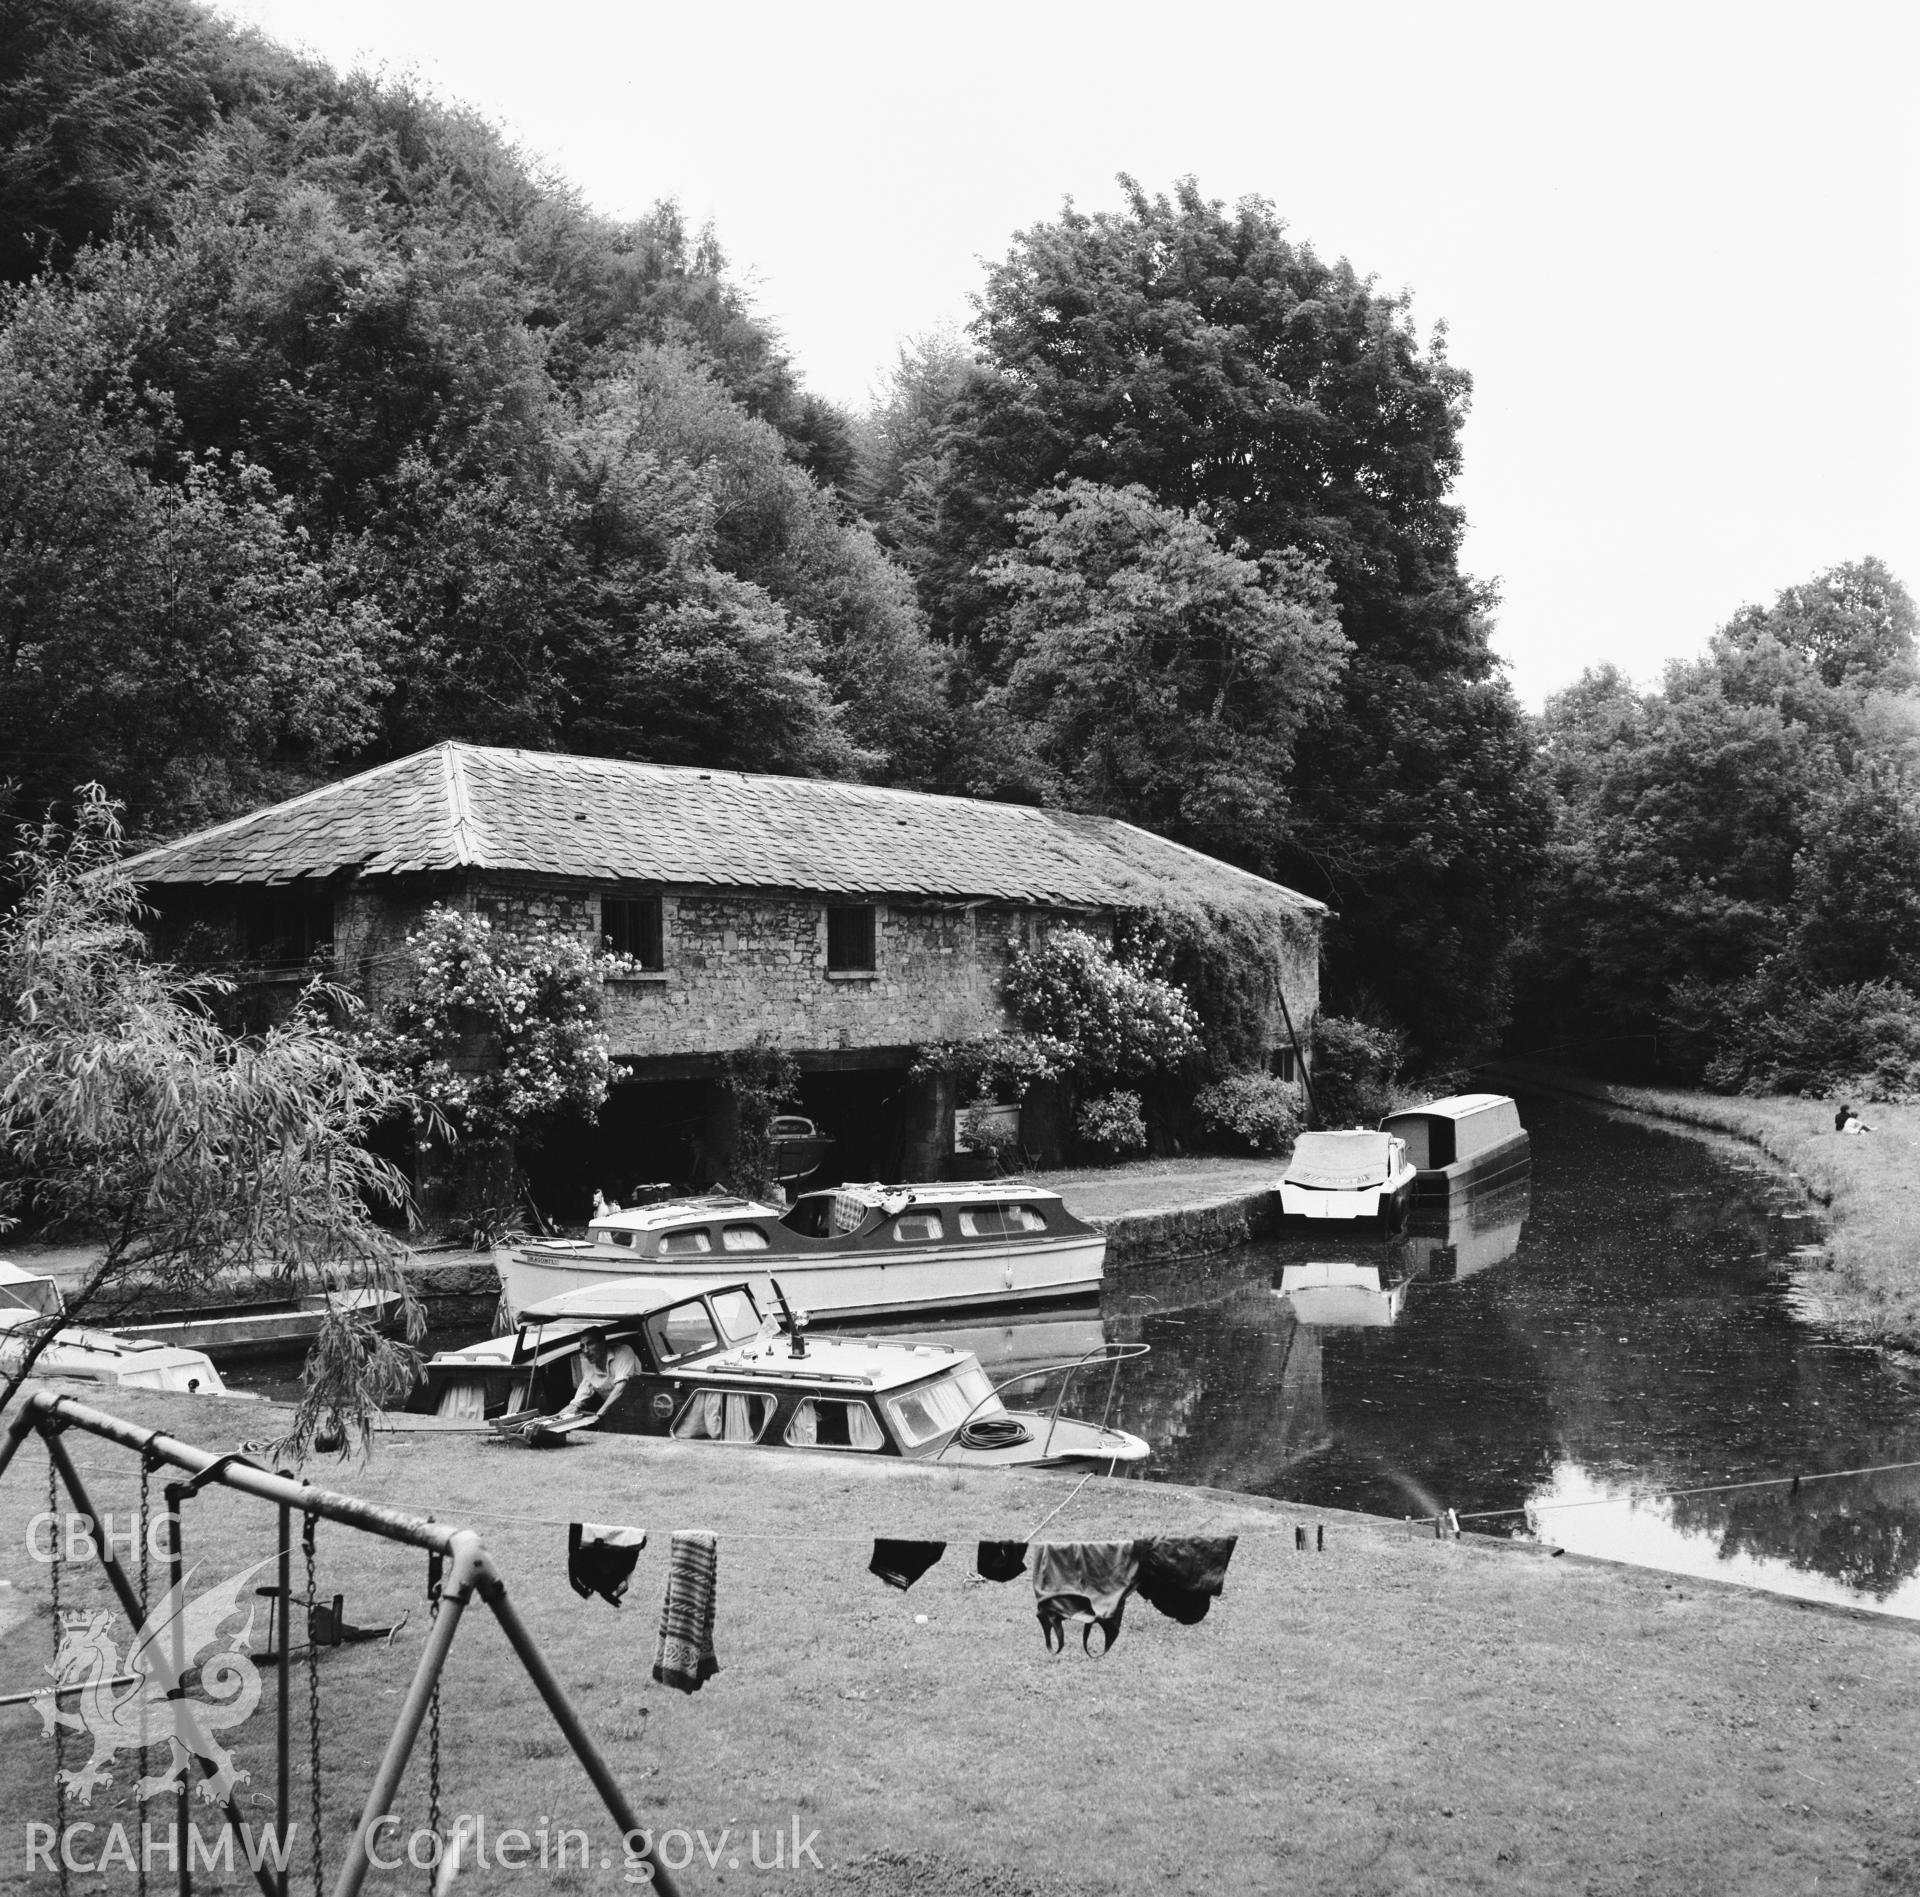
(1848, 1121)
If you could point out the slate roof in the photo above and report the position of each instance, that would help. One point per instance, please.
(466, 807)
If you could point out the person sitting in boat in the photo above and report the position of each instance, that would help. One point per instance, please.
(604, 1372)
(1848, 1121)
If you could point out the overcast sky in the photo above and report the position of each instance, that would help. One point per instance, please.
(1676, 245)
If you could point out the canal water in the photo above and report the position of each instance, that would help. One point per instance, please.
(1595, 1358)
(1599, 1358)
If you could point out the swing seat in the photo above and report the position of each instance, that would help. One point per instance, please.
(327, 1625)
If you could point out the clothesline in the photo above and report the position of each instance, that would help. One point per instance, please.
(1792, 1482)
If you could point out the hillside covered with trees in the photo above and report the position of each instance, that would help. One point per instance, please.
(331, 426)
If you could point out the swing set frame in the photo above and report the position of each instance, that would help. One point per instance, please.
(464, 1568)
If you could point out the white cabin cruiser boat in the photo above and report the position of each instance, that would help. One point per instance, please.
(700, 1360)
(30, 1302)
(1357, 1174)
(851, 1251)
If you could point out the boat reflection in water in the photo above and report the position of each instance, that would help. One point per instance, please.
(1471, 1232)
(1341, 1294)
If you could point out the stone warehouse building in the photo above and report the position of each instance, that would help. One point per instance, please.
(849, 924)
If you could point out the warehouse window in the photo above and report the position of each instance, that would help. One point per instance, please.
(630, 925)
(850, 938)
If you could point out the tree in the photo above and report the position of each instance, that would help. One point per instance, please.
(1196, 353)
(1742, 841)
(1162, 677)
(195, 1158)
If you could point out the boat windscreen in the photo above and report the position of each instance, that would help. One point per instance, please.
(737, 1314)
(939, 1408)
(1339, 1162)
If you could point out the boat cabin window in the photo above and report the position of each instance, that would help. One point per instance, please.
(917, 1227)
(725, 1416)
(684, 1330)
(811, 1217)
(995, 1221)
(825, 1422)
(938, 1409)
(605, 1237)
(743, 1238)
(738, 1314)
(686, 1244)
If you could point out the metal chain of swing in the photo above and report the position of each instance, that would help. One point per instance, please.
(59, 1732)
(433, 1727)
(313, 1713)
(146, 1607)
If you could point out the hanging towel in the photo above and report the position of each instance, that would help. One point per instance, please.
(600, 1559)
(901, 1563)
(684, 1657)
(1086, 1581)
(1183, 1575)
(1001, 1560)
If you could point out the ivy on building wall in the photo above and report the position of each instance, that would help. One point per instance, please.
(760, 1080)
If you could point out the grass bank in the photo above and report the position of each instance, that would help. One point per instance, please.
(1393, 1715)
(1870, 1185)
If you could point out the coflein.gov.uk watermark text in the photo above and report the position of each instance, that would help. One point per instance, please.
(86, 1847)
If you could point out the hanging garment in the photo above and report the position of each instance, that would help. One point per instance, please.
(1001, 1560)
(1085, 1581)
(600, 1559)
(1183, 1575)
(901, 1563)
(684, 1657)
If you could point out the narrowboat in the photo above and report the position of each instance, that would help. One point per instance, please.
(701, 1360)
(29, 1302)
(1467, 1143)
(1357, 1174)
(852, 1251)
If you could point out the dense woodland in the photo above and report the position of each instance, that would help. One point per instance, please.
(331, 426)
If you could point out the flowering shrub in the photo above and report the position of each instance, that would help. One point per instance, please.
(498, 1028)
(995, 1067)
(1115, 1022)
(1255, 1109)
(1113, 1121)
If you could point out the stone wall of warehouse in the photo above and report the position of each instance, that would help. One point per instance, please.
(740, 965)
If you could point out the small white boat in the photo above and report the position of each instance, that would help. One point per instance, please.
(1357, 1174)
(852, 1251)
(229, 1333)
(1466, 1143)
(29, 1302)
(1341, 1295)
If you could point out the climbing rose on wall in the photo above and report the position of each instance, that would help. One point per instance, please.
(497, 1028)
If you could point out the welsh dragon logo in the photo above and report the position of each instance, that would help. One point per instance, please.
(178, 1646)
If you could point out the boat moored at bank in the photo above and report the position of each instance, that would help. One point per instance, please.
(1466, 1143)
(1356, 1174)
(851, 1251)
(704, 1360)
(31, 1303)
